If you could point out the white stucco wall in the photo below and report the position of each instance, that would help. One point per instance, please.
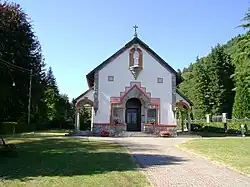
(119, 68)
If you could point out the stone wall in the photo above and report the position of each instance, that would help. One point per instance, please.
(113, 129)
(116, 130)
(156, 129)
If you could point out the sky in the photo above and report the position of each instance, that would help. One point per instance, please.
(78, 35)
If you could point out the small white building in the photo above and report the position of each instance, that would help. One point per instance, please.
(133, 90)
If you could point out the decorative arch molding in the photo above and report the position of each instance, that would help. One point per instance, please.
(142, 95)
(182, 104)
(84, 101)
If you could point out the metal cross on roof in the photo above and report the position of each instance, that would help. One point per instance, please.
(135, 27)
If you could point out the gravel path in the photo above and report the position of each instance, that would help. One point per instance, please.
(166, 165)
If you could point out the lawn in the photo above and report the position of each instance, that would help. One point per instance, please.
(50, 159)
(233, 152)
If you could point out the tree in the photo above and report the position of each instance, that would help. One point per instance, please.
(19, 47)
(179, 77)
(241, 108)
(51, 95)
(246, 19)
(200, 91)
(51, 80)
(219, 69)
(65, 110)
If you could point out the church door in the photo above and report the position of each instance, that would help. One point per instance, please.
(133, 114)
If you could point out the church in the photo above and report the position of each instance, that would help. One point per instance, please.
(133, 90)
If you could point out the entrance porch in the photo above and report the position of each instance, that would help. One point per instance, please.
(134, 110)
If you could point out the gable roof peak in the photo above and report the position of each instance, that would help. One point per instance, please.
(135, 40)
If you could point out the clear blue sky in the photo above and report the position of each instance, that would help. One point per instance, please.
(78, 35)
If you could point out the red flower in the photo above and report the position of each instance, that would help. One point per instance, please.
(104, 132)
(165, 133)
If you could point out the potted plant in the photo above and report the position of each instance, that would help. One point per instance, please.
(152, 121)
(116, 121)
(104, 133)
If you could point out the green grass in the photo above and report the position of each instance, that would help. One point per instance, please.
(48, 159)
(233, 152)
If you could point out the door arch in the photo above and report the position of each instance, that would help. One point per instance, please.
(133, 114)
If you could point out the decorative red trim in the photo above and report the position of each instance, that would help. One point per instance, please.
(153, 101)
(120, 124)
(109, 124)
(123, 94)
(133, 84)
(167, 125)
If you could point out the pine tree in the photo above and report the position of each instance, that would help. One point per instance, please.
(179, 78)
(20, 47)
(241, 108)
(246, 19)
(51, 95)
(219, 69)
(200, 91)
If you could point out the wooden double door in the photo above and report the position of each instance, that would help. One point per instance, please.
(133, 115)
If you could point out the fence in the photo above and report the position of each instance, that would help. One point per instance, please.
(217, 124)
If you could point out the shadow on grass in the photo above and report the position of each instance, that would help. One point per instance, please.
(207, 134)
(69, 157)
(211, 134)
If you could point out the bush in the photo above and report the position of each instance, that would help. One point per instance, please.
(15, 127)
(219, 127)
(8, 127)
(196, 127)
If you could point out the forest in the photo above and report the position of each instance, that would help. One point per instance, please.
(24, 78)
(220, 82)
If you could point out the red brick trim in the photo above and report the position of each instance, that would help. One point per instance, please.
(119, 99)
(167, 125)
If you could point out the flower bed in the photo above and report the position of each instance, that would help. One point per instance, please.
(165, 133)
(104, 133)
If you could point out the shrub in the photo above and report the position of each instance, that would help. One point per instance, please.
(8, 127)
(15, 127)
(196, 127)
(219, 127)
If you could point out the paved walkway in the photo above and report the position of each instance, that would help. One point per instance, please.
(166, 165)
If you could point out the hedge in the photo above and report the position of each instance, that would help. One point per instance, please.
(15, 127)
(20, 127)
(219, 127)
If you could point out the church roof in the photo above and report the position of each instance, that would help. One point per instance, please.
(184, 97)
(135, 40)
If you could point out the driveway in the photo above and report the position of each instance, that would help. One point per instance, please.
(166, 165)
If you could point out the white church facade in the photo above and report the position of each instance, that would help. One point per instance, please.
(133, 90)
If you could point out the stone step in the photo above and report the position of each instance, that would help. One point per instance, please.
(136, 134)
